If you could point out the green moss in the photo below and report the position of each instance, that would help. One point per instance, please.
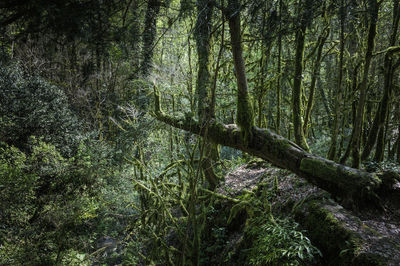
(219, 133)
(339, 245)
(245, 117)
(157, 105)
(276, 146)
(317, 167)
(326, 232)
(343, 181)
(282, 144)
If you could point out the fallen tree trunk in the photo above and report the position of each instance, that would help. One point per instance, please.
(344, 237)
(352, 186)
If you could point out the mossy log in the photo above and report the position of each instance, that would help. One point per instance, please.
(349, 184)
(344, 237)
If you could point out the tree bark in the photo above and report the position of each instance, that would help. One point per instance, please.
(202, 34)
(278, 80)
(149, 35)
(354, 83)
(261, 88)
(204, 109)
(244, 115)
(398, 146)
(297, 89)
(305, 18)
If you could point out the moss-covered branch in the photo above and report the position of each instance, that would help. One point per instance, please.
(339, 180)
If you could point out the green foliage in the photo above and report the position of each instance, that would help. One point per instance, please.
(320, 146)
(13, 182)
(70, 19)
(75, 258)
(46, 202)
(278, 242)
(250, 204)
(30, 106)
(130, 255)
(263, 239)
(373, 166)
(58, 188)
(214, 245)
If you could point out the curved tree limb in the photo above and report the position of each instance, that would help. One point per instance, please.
(349, 184)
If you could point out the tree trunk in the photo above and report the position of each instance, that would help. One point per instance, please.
(265, 52)
(278, 80)
(149, 35)
(202, 34)
(297, 89)
(325, 102)
(305, 18)
(335, 129)
(244, 115)
(398, 145)
(354, 83)
(204, 109)
(359, 121)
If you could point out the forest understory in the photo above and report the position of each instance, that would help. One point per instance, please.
(207, 132)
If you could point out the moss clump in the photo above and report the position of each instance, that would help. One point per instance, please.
(340, 180)
(279, 146)
(318, 167)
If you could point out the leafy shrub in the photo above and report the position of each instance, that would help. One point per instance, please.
(15, 181)
(45, 203)
(278, 242)
(30, 106)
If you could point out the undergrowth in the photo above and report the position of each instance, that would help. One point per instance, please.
(278, 242)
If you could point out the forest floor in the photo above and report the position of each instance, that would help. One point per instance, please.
(377, 230)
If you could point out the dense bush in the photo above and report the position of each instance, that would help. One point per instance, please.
(60, 189)
(30, 106)
(45, 201)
